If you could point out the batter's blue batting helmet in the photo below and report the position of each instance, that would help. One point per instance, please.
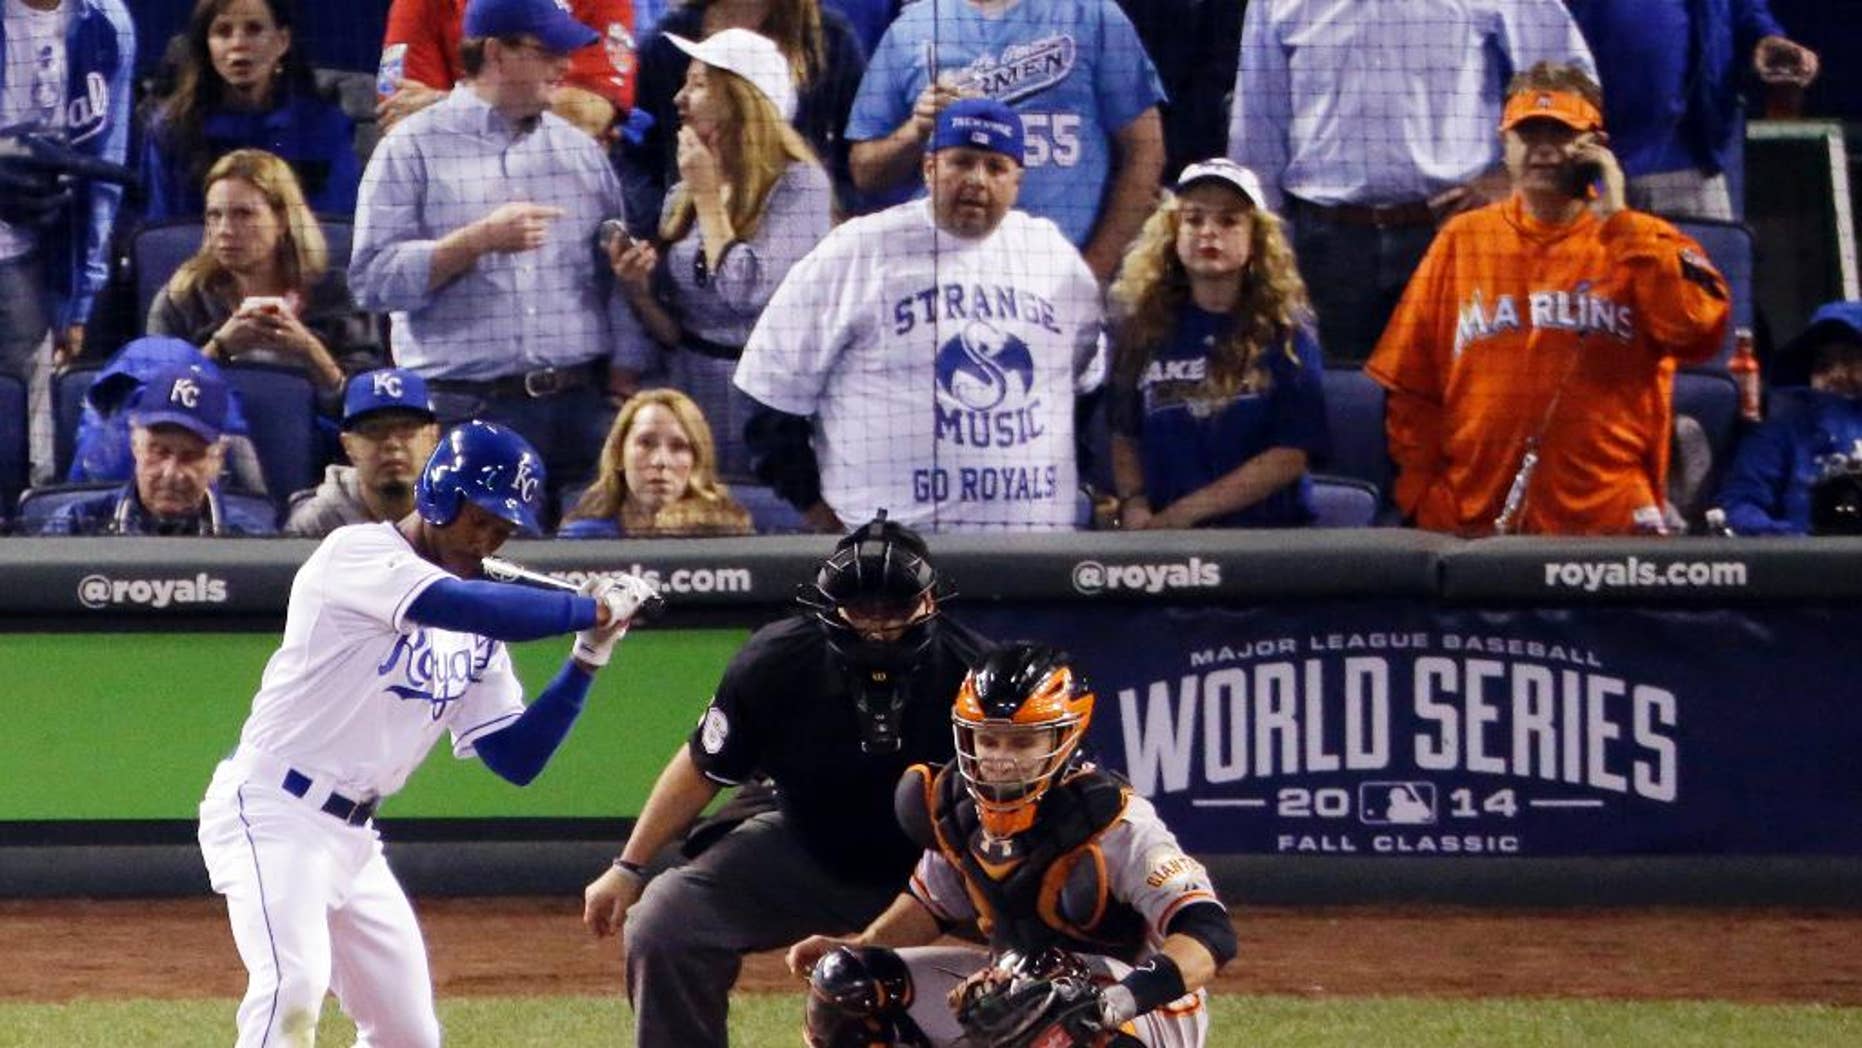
(493, 467)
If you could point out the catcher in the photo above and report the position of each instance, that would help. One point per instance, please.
(1101, 931)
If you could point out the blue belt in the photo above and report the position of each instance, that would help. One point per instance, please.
(297, 784)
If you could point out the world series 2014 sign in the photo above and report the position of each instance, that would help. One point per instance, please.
(1395, 729)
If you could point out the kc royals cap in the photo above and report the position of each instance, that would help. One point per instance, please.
(1227, 172)
(1567, 107)
(389, 389)
(980, 123)
(182, 396)
(547, 20)
(750, 55)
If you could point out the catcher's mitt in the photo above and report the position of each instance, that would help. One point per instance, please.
(1049, 1002)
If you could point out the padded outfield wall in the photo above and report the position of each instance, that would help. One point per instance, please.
(1350, 715)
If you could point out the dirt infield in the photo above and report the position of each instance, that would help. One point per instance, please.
(60, 950)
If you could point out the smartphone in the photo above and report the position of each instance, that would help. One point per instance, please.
(611, 232)
(256, 303)
(1580, 177)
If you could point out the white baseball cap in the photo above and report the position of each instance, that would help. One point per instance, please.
(750, 55)
(1227, 172)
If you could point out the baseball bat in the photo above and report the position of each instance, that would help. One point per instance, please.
(501, 570)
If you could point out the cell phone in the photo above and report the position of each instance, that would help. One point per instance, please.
(254, 303)
(611, 232)
(1580, 177)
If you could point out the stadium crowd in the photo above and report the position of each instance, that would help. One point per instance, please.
(1018, 265)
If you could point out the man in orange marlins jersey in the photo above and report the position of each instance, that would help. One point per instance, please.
(1530, 362)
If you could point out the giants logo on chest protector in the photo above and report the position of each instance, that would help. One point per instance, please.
(424, 669)
(985, 386)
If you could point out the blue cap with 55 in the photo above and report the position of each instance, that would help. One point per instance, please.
(547, 20)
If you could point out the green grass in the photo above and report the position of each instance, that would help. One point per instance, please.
(771, 1021)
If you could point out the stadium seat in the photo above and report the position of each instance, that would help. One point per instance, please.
(38, 505)
(1343, 502)
(155, 252)
(1711, 399)
(280, 406)
(339, 234)
(68, 389)
(1354, 412)
(771, 514)
(1729, 246)
(14, 462)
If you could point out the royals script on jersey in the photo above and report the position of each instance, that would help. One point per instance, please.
(357, 691)
(942, 370)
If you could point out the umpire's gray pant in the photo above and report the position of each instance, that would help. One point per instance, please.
(754, 890)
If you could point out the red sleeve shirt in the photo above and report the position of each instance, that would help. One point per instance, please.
(423, 37)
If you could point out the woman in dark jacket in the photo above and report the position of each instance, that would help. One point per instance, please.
(244, 84)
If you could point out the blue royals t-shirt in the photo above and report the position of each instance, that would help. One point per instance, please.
(1188, 439)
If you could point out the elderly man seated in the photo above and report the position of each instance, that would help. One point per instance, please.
(176, 429)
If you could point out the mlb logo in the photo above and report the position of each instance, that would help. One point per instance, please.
(981, 138)
(1543, 101)
(1396, 803)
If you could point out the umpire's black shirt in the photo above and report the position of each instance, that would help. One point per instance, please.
(784, 709)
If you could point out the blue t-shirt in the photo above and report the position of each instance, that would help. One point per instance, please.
(1074, 69)
(1188, 440)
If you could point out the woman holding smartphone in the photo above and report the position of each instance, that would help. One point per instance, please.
(751, 201)
(261, 290)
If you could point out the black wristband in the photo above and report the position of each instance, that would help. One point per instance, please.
(1154, 983)
(636, 868)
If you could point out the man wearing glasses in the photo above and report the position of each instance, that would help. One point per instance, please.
(476, 230)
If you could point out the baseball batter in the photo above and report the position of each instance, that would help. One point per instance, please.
(386, 645)
(1036, 850)
(939, 346)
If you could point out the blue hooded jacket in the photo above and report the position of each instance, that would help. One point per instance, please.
(100, 50)
(100, 448)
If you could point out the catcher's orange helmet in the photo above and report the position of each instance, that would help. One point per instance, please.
(1019, 717)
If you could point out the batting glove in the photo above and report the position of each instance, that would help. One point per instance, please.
(624, 596)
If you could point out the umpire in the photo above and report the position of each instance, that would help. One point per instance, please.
(831, 705)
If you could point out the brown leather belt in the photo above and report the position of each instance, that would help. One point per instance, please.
(543, 382)
(1382, 216)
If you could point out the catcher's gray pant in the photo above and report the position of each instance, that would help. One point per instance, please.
(936, 970)
(756, 889)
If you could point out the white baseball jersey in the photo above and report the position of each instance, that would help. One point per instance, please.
(357, 692)
(942, 371)
(349, 705)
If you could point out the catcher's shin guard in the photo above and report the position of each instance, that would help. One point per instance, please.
(857, 997)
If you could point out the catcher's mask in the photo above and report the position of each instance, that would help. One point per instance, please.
(1018, 719)
(876, 598)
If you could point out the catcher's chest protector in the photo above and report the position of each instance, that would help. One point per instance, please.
(1049, 888)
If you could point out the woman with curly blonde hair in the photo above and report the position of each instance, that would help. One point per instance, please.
(659, 477)
(1216, 399)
